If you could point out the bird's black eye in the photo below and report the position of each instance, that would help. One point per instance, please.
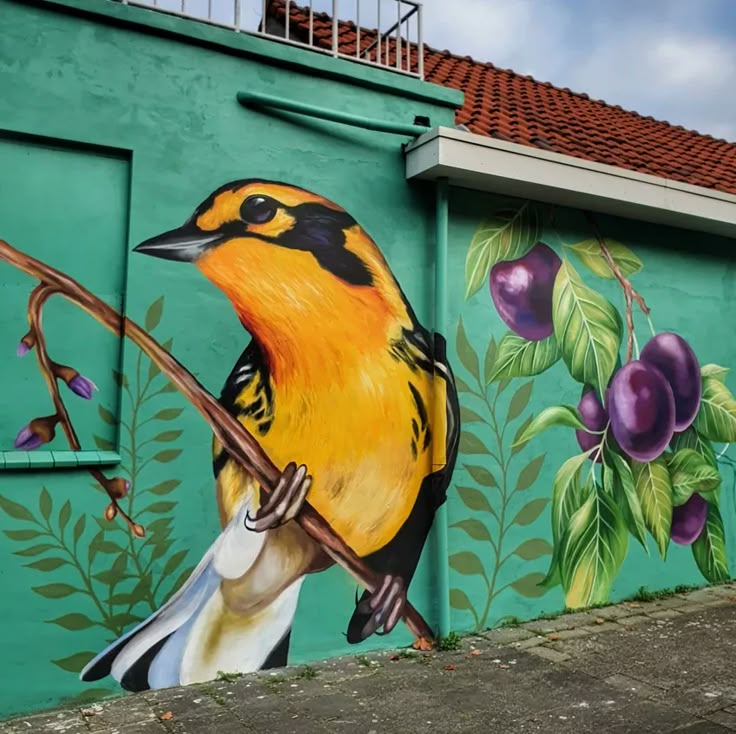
(258, 209)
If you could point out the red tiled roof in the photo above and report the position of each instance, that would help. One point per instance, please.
(502, 104)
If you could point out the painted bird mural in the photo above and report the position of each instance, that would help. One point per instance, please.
(339, 376)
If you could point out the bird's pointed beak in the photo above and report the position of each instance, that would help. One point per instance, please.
(185, 244)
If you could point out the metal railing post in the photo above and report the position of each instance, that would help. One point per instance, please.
(335, 49)
(287, 19)
(264, 10)
(311, 24)
(236, 14)
(420, 44)
(357, 29)
(398, 35)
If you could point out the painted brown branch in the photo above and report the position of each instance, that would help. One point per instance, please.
(630, 293)
(233, 436)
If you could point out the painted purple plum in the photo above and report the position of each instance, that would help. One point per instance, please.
(522, 292)
(595, 418)
(675, 359)
(642, 409)
(688, 520)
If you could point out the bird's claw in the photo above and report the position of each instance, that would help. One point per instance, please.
(284, 503)
(385, 606)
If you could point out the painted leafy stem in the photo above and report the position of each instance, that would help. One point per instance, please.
(597, 505)
(111, 578)
(494, 496)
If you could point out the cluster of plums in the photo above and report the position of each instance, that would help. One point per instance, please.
(647, 401)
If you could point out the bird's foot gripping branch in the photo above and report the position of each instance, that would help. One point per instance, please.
(235, 439)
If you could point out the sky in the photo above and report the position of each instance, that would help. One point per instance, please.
(672, 59)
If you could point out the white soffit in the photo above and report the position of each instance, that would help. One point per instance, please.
(486, 164)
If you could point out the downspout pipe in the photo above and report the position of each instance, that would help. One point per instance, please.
(258, 99)
(440, 325)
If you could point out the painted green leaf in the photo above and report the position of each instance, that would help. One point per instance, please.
(79, 526)
(45, 505)
(709, 550)
(490, 361)
(157, 526)
(519, 400)
(474, 528)
(459, 600)
(160, 507)
(47, 564)
(164, 457)
(690, 473)
(588, 329)
(555, 415)
(107, 546)
(174, 561)
(469, 416)
(160, 549)
(619, 473)
(75, 663)
(168, 414)
(518, 357)
(73, 622)
(16, 511)
(691, 439)
(120, 379)
(591, 255)
(481, 475)
(508, 235)
(55, 591)
(164, 487)
(103, 444)
(716, 419)
(530, 585)
(528, 475)
(592, 550)
(462, 386)
(654, 489)
(180, 579)
(168, 387)
(502, 385)
(466, 563)
(106, 415)
(532, 549)
(474, 499)
(35, 550)
(120, 600)
(123, 620)
(471, 444)
(466, 353)
(153, 314)
(530, 511)
(120, 564)
(715, 371)
(153, 368)
(65, 514)
(167, 436)
(110, 577)
(22, 534)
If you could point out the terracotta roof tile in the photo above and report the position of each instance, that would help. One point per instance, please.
(502, 104)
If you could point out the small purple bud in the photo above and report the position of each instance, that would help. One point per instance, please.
(22, 349)
(82, 386)
(26, 440)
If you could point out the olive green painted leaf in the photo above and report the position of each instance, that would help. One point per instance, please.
(153, 368)
(45, 505)
(530, 585)
(518, 357)
(119, 600)
(160, 507)
(530, 511)
(35, 550)
(180, 579)
(588, 329)
(106, 546)
(466, 353)
(502, 385)
(531, 550)
(75, 663)
(481, 475)
(167, 436)
(123, 620)
(120, 564)
(65, 514)
(475, 500)
(716, 419)
(164, 457)
(79, 527)
(110, 577)
(654, 489)
(103, 444)
(168, 414)
(490, 361)
(120, 379)
(715, 371)
(690, 473)
(519, 400)
(164, 487)
(591, 255)
(469, 416)
(508, 235)
(92, 547)
(106, 415)
(691, 439)
(161, 549)
(459, 600)
(466, 563)
(471, 444)
(73, 622)
(153, 314)
(474, 528)
(174, 561)
(518, 444)
(168, 387)
(55, 591)
(157, 526)
(709, 550)
(618, 480)
(555, 415)
(592, 550)
(528, 475)
(16, 511)
(22, 534)
(47, 564)
(462, 386)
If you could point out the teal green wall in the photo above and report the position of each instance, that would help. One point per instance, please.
(159, 94)
(687, 281)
